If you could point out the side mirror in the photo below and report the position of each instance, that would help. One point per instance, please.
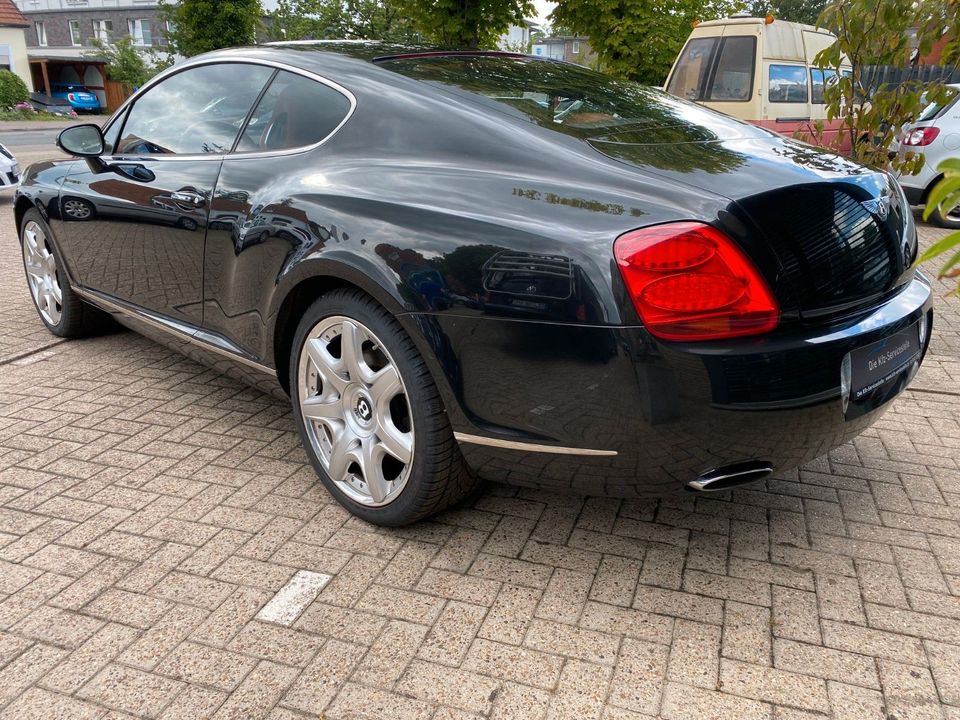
(82, 141)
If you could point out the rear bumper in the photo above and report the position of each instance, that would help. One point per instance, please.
(652, 415)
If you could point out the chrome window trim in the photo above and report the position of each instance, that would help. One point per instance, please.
(256, 154)
(529, 447)
(181, 330)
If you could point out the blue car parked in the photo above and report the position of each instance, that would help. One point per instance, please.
(81, 98)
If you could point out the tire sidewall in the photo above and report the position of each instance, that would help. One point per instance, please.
(944, 221)
(69, 303)
(403, 354)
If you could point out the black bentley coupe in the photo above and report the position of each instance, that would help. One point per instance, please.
(465, 265)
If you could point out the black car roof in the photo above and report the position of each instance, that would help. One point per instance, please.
(318, 54)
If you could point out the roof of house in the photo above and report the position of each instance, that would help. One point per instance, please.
(10, 16)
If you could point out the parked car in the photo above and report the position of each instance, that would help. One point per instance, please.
(80, 97)
(936, 136)
(456, 276)
(760, 70)
(9, 169)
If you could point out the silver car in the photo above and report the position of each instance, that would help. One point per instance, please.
(936, 135)
(9, 169)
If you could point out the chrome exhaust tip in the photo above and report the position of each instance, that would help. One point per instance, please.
(730, 476)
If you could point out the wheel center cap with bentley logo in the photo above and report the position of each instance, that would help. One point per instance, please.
(363, 409)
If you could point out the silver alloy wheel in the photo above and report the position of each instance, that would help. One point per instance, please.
(41, 266)
(76, 209)
(355, 410)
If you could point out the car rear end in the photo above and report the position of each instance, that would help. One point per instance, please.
(936, 136)
(9, 169)
(82, 99)
(767, 308)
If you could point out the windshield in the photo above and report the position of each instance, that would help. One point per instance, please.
(565, 97)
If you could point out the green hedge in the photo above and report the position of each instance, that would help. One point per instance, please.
(12, 89)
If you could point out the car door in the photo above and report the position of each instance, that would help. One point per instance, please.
(269, 205)
(135, 220)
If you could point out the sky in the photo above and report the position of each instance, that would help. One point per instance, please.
(544, 7)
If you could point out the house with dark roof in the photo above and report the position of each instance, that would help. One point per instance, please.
(13, 43)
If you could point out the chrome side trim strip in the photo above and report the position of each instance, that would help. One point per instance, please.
(530, 447)
(171, 328)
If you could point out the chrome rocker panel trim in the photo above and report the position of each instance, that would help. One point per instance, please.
(529, 447)
(193, 335)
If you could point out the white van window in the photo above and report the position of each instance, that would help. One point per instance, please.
(733, 76)
(691, 71)
(817, 78)
(788, 84)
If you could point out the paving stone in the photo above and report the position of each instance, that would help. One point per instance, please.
(908, 691)
(200, 664)
(131, 690)
(774, 686)
(639, 676)
(681, 702)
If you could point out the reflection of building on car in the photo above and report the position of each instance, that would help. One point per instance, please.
(80, 97)
(757, 69)
(9, 169)
(936, 136)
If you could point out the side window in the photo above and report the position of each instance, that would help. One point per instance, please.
(198, 110)
(788, 84)
(819, 79)
(691, 71)
(295, 111)
(733, 77)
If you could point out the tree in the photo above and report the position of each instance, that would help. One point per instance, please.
(350, 19)
(198, 26)
(466, 24)
(125, 64)
(12, 89)
(877, 33)
(801, 11)
(637, 39)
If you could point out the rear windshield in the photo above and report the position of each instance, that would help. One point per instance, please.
(933, 109)
(561, 96)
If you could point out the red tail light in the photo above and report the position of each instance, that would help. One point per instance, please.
(918, 137)
(689, 281)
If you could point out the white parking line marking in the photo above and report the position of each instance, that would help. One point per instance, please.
(293, 598)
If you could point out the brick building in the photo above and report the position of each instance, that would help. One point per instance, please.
(60, 34)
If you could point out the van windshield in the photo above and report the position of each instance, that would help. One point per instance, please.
(715, 69)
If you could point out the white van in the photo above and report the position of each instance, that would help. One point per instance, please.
(759, 70)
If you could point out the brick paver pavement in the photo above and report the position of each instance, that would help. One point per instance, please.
(149, 508)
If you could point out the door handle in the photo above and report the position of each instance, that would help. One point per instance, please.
(193, 198)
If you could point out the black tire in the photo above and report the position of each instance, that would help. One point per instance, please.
(77, 318)
(944, 221)
(438, 476)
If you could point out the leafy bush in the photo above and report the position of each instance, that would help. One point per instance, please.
(12, 89)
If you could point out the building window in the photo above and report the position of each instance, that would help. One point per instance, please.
(103, 30)
(75, 32)
(576, 47)
(139, 31)
(6, 58)
(41, 33)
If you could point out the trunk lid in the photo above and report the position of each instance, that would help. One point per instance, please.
(842, 234)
